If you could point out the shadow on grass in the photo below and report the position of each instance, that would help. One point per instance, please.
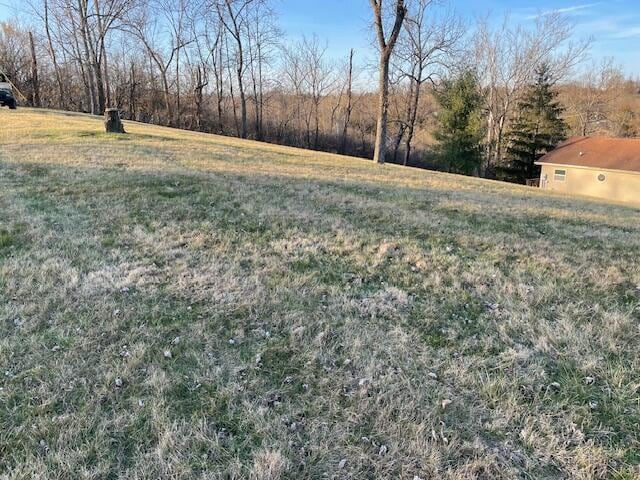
(258, 209)
(370, 205)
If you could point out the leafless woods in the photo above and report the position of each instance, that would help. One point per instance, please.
(223, 66)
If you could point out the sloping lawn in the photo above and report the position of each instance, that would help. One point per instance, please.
(176, 305)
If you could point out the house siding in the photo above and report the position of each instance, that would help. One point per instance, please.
(618, 185)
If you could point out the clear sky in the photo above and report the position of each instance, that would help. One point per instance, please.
(613, 24)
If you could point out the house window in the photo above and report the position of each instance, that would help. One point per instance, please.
(560, 175)
(601, 177)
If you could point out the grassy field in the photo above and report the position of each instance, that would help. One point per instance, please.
(176, 305)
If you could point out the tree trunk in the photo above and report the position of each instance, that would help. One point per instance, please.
(413, 114)
(219, 75)
(105, 73)
(260, 106)
(380, 153)
(132, 93)
(95, 63)
(317, 124)
(167, 96)
(100, 62)
(200, 84)
(91, 79)
(407, 145)
(243, 103)
(97, 68)
(386, 49)
(34, 74)
(233, 98)
(347, 116)
(61, 100)
(398, 140)
(236, 34)
(178, 103)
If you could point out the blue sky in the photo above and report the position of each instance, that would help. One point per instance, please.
(613, 24)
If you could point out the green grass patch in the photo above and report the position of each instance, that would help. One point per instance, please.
(316, 308)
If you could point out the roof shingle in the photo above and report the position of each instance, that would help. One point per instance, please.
(597, 152)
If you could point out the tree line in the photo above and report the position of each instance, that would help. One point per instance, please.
(440, 95)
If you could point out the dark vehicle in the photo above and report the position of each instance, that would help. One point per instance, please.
(6, 93)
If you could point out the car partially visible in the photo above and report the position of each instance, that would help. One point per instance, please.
(6, 96)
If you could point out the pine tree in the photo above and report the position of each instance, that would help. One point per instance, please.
(537, 130)
(460, 127)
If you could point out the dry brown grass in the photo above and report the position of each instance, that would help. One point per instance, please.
(176, 305)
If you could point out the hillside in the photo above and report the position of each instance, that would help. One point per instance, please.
(177, 305)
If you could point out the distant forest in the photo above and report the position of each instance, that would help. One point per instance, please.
(221, 66)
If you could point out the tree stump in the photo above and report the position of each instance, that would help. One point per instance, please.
(112, 122)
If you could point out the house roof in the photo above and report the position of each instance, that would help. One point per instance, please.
(596, 152)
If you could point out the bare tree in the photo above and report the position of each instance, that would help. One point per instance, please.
(293, 79)
(425, 52)
(590, 99)
(262, 40)
(177, 18)
(219, 66)
(349, 107)
(210, 43)
(318, 80)
(34, 73)
(15, 57)
(54, 57)
(154, 32)
(233, 14)
(385, 46)
(95, 21)
(506, 59)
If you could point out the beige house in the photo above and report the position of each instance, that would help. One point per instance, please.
(594, 166)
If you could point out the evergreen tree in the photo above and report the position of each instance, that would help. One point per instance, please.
(460, 127)
(537, 130)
